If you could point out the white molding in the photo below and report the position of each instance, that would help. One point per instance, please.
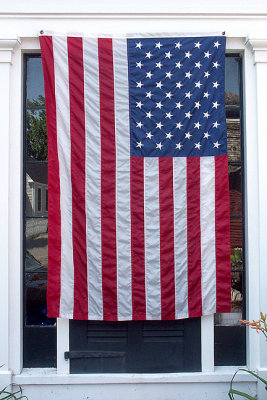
(63, 366)
(7, 46)
(49, 376)
(207, 343)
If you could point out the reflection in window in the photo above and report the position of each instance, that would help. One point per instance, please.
(232, 104)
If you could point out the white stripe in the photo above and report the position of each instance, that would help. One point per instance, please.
(123, 212)
(64, 157)
(180, 236)
(152, 238)
(93, 179)
(207, 227)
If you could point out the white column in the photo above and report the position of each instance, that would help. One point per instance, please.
(259, 296)
(7, 46)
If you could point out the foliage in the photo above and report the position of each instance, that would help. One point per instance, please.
(36, 129)
(5, 395)
(245, 395)
(260, 326)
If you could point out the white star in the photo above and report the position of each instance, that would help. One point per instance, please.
(188, 94)
(178, 45)
(207, 54)
(179, 85)
(188, 115)
(206, 74)
(179, 125)
(159, 145)
(206, 135)
(217, 44)
(188, 75)
(216, 144)
(149, 75)
(206, 94)
(168, 135)
(149, 135)
(139, 104)
(198, 84)
(169, 75)
(149, 94)
(198, 65)
(197, 125)
(139, 124)
(159, 105)
(178, 65)
(139, 64)
(216, 65)
(179, 105)
(149, 115)
(159, 65)
(139, 144)
(139, 84)
(197, 45)
(188, 135)
(168, 55)
(158, 45)
(159, 125)
(216, 124)
(215, 84)
(215, 105)
(197, 104)
(169, 95)
(159, 85)
(188, 54)
(149, 55)
(179, 146)
(197, 145)
(206, 114)
(169, 115)
(139, 45)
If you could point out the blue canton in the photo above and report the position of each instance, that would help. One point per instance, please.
(176, 96)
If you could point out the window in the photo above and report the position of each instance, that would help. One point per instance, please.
(230, 335)
(40, 332)
(39, 199)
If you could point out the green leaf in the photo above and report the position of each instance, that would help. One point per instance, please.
(247, 396)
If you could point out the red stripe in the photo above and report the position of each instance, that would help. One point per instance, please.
(222, 234)
(138, 238)
(77, 134)
(54, 218)
(193, 237)
(108, 179)
(166, 238)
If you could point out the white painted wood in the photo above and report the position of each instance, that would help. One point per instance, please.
(207, 343)
(63, 366)
(251, 256)
(49, 376)
(259, 48)
(6, 48)
(15, 238)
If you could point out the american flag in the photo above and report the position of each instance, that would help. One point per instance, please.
(138, 208)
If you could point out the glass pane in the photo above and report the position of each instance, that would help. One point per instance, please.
(36, 189)
(236, 228)
(35, 80)
(36, 272)
(235, 181)
(232, 105)
(36, 134)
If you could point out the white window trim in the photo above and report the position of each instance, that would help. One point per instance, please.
(15, 242)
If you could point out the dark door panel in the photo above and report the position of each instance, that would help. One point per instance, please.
(136, 346)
